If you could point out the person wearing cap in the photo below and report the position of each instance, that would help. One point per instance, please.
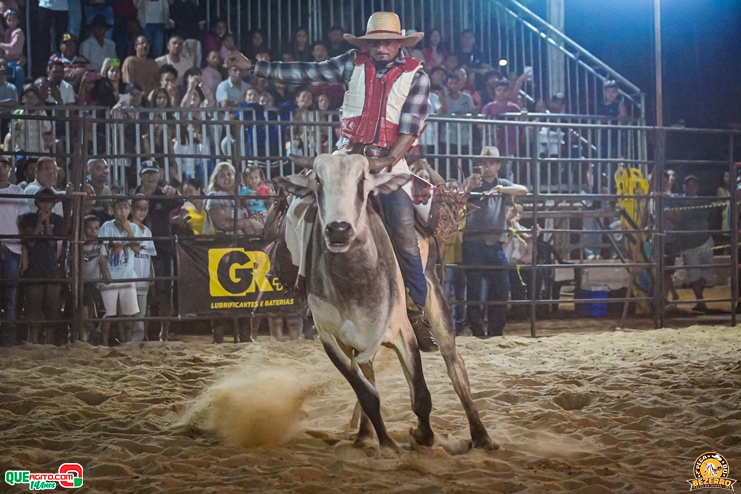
(73, 61)
(163, 202)
(97, 47)
(696, 247)
(43, 301)
(612, 104)
(12, 255)
(483, 242)
(12, 45)
(377, 75)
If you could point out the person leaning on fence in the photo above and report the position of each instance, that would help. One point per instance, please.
(696, 248)
(143, 267)
(483, 240)
(164, 208)
(13, 255)
(43, 302)
(220, 205)
(92, 302)
(193, 211)
(519, 252)
(117, 263)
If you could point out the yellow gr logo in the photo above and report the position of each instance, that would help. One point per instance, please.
(235, 272)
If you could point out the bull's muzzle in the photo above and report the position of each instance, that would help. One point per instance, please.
(338, 233)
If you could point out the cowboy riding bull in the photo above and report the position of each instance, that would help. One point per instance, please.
(385, 107)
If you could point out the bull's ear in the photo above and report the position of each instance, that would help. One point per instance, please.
(299, 185)
(387, 182)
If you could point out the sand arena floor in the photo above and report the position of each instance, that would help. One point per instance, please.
(592, 413)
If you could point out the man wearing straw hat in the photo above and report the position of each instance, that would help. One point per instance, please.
(383, 114)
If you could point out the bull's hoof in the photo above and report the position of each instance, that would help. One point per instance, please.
(364, 442)
(484, 443)
(418, 437)
(389, 449)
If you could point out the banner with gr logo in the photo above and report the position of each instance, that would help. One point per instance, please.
(230, 275)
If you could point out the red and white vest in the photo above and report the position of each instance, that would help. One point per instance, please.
(372, 106)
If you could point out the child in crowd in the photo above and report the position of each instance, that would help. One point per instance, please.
(43, 302)
(211, 74)
(252, 185)
(228, 45)
(12, 45)
(29, 134)
(91, 301)
(143, 267)
(117, 263)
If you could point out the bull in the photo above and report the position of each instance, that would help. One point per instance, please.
(357, 297)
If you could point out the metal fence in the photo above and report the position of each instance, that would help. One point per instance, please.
(577, 153)
(80, 135)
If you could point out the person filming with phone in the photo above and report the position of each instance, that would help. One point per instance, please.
(483, 240)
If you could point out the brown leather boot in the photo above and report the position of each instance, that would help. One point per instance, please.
(423, 332)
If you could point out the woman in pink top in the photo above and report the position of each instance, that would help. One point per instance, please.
(13, 47)
(435, 52)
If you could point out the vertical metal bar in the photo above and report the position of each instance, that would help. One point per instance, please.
(76, 247)
(229, 15)
(534, 261)
(659, 164)
(733, 222)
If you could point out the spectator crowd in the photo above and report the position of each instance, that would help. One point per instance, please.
(156, 67)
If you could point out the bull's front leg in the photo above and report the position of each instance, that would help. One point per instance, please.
(438, 312)
(367, 394)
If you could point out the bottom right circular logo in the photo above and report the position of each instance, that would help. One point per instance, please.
(711, 472)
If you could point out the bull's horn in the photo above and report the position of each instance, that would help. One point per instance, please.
(303, 161)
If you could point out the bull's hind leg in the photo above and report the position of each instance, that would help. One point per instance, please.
(408, 352)
(367, 395)
(441, 320)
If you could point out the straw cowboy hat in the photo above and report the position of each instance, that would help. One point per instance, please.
(489, 152)
(384, 25)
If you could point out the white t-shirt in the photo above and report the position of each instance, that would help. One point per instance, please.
(67, 92)
(182, 66)
(91, 49)
(143, 260)
(120, 255)
(10, 210)
(90, 256)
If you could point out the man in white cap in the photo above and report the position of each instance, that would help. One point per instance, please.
(384, 112)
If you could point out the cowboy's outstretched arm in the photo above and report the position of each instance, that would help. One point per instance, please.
(333, 71)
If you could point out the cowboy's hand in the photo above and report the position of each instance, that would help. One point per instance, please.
(236, 59)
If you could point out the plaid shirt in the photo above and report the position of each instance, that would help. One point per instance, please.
(338, 70)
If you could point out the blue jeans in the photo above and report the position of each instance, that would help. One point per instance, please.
(455, 292)
(17, 76)
(155, 33)
(398, 212)
(9, 262)
(497, 280)
(74, 20)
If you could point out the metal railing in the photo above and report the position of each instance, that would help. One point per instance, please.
(577, 153)
(540, 205)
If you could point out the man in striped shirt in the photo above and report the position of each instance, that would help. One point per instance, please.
(384, 112)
